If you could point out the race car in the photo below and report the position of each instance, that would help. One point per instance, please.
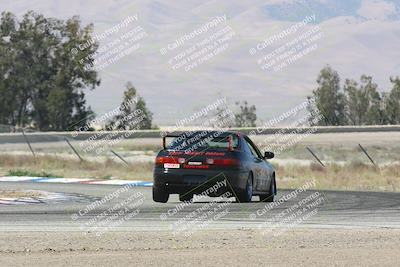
(212, 163)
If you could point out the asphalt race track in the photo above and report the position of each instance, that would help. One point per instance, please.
(336, 209)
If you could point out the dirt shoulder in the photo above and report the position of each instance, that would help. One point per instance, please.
(19, 194)
(300, 247)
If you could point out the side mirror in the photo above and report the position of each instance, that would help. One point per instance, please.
(269, 155)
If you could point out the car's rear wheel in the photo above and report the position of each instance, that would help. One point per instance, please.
(186, 197)
(270, 196)
(160, 194)
(247, 194)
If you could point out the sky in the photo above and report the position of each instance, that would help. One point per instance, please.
(184, 55)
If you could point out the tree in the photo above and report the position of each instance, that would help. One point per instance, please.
(40, 79)
(374, 114)
(329, 100)
(8, 94)
(354, 108)
(221, 117)
(133, 114)
(392, 103)
(247, 116)
(363, 102)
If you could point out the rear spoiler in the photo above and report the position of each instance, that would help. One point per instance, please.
(168, 135)
(230, 143)
(230, 140)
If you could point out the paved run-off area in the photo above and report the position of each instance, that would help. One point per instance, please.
(343, 228)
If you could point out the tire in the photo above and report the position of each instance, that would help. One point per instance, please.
(186, 197)
(270, 196)
(247, 194)
(160, 194)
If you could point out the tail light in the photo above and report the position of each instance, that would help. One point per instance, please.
(223, 162)
(162, 160)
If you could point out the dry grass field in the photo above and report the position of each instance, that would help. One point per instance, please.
(346, 166)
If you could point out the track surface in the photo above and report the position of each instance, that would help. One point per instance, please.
(338, 210)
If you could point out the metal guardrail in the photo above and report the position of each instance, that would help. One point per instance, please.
(37, 137)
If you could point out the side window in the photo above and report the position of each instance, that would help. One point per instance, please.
(252, 150)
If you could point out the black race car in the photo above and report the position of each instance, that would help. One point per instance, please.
(213, 163)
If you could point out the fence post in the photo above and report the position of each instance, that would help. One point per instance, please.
(315, 156)
(121, 158)
(80, 158)
(29, 144)
(365, 152)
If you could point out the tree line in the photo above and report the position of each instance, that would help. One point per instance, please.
(42, 84)
(243, 116)
(354, 102)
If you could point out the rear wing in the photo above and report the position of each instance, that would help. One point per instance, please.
(164, 142)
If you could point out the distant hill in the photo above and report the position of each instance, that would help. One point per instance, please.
(359, 37)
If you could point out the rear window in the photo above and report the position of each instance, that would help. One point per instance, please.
(203, 141)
